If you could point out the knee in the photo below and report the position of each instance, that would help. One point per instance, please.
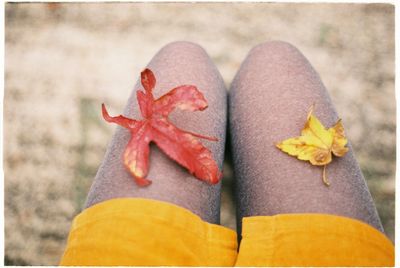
(277, 49)
(183, 47)
(277, 57)
(275, 46)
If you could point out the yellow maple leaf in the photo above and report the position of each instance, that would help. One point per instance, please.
(316, 143)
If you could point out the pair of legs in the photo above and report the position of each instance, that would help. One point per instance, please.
(268, 102)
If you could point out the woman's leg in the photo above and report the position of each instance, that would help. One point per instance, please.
(176, 64)
(268, 102)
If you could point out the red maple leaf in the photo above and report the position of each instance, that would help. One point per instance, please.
(178, 144)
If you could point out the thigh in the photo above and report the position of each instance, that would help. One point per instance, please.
(269, 101)
(176, 64)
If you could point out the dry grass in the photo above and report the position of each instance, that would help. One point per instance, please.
(63, 60)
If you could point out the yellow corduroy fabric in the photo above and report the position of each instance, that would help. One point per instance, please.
(144, 232)
(137, 232)
(312, 240)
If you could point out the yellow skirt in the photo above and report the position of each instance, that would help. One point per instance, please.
(144, 232)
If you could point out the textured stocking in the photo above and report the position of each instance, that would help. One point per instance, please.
(176, 64)
(269, 101)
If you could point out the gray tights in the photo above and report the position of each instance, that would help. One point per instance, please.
(268, 102)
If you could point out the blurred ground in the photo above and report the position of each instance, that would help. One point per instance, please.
(63, 60)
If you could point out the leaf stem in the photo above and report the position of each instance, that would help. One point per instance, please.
(200, 136)
(324, 179)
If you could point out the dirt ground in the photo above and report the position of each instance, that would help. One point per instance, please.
(63, 60)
